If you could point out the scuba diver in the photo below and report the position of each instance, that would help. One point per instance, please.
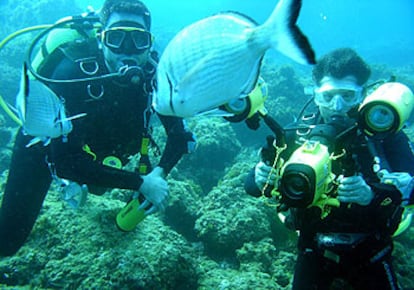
(342, 175)
(107, 76)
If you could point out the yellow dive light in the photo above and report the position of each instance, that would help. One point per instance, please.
(386, 109)
(245, 108)
(130, 216)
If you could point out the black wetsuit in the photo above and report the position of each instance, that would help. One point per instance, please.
(353, 242)
(114, 126)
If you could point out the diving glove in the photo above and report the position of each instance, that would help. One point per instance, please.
(354, 189)
(263, 174)
(403, 181)
(155, 190)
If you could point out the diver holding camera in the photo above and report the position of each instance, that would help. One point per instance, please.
(342, 173)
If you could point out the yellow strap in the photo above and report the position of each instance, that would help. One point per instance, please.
(9, 112)
(144, 145)
(88, 150)
(275, 166)
(142, 168)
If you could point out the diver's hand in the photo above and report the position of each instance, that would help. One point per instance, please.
(264, 173)
(354, 189)
(155, 190)
(403, 181)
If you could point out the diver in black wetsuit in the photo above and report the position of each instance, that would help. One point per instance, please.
(353, 241)
(118, 111)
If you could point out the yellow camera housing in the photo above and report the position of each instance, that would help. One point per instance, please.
(306, 175)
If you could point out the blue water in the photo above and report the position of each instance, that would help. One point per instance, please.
(382, 31)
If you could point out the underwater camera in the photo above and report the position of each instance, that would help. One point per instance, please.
(306, 176)
(386, 109)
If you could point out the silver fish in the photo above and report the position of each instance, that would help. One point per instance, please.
(41, 111)
(217, 59)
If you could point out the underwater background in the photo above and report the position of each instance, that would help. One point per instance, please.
(212, 235)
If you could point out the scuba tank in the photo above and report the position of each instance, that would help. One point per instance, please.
(45, 49)
(59, 34)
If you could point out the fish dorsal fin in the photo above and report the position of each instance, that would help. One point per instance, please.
(246, 18)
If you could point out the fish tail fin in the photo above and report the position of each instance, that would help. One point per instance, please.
(285, 35)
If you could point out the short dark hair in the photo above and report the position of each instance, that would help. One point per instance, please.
(126, 6)
(341, 63)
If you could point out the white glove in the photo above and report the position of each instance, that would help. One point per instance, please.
(264, 173)
(401, 180)
(354, 189)
(155, 190)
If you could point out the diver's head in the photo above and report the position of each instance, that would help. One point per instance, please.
(125, 36)
(337, 97)
(339, 77)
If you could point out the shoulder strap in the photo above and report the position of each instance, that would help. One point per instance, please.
(84, 52)
(78, 50)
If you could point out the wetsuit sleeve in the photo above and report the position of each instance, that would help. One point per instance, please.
(399, 153)
(80, 167)
(179, 142)
(386, 204)
(400, 156)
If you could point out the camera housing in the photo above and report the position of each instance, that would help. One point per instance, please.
(306, 176)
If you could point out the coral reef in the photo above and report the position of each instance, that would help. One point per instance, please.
(217, 146)
(63, 258)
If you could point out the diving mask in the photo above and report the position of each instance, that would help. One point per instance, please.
(116, 37)
(332, 92)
